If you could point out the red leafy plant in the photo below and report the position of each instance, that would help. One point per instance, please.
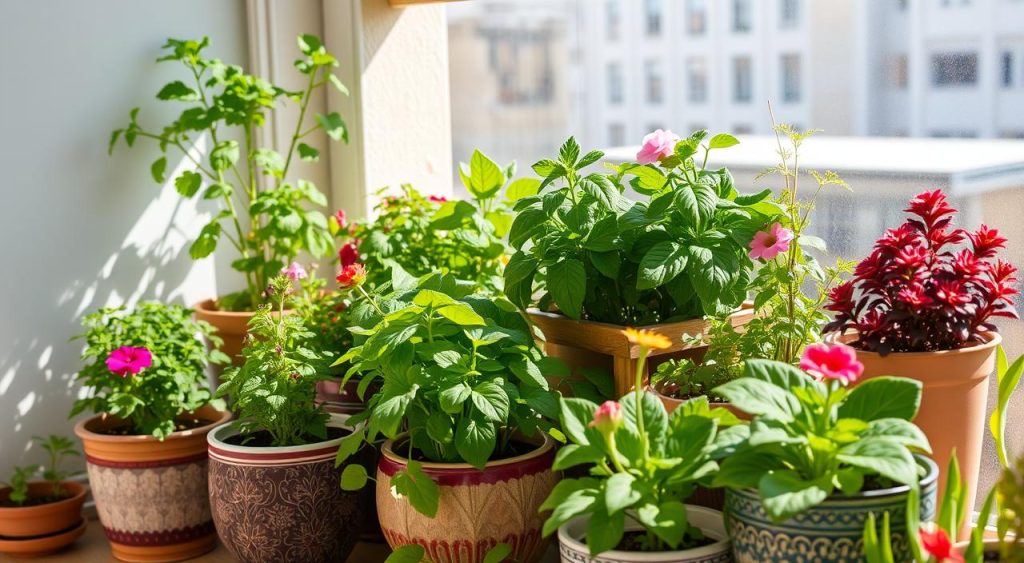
(926, 285)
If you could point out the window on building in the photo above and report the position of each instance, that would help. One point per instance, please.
(654, 83)
(616, 135)
(742, 129)
(897, 75)
(1006, 68)
(696, 80)
(613, 19)
(789, 13)
(520, 60)
(696, 16)
(614, 75)
(790, 78)
(741, 15)
(953, 133)
(954, 69)
(742, 81)
(652, 9)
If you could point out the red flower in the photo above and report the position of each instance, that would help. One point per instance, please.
(339, 216)
(348, 254)
(827, 362)
(937, 544)
(914, 295)
(438, 199)
(986, 241)
(932, 207)
(841, 298)
(352, 275)
(952, 293)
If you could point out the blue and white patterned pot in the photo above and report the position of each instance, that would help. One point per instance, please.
(831, 532)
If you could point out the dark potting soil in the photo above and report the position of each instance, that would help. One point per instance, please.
(34, 501)
(263, 439)
(634, 541)
(179, 425)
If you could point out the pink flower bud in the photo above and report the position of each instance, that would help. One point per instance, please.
(607, 418)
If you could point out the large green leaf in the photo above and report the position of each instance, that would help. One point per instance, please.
(422, 492)
(760, 398)
(621, 491)
(491, 401)
(475, 440)
(785, 494)
(576, 414)
(567, 282)
(604, 531)
(486, 177)
(883, 397)
(661, 264)
(885, 457)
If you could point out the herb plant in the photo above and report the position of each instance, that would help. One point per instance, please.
(643, 463)
(267, 227)
(812, 436)
(146, 366)
(273, 392)
(680, 253)
(57, 448)
(459, 372)
(916, 292)
(20, 478)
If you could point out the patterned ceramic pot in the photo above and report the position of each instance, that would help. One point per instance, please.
(829, 532)
(572, 549)
(151, 495)
(477, 509)
(278, 504)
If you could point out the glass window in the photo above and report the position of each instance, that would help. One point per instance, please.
(954, 69)
(696, 80)
(741, 15)
(653, 16)
(789, 13)
(898, 72)
(614, 71)
(791, 78)
(696, 17)
(613, 19)
(742, 82)
(616, 135)
(742, 129)
(1006, 71)
(653, 81)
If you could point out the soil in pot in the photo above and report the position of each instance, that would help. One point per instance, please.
(264, 439)
(34, 500)
(42, 514)
(636, 541)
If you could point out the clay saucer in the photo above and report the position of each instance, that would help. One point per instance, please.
(41, 545)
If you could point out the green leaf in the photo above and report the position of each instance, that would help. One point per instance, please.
(177, 90)
(885, 457)
(224, 155)
(667, 521)
(475, 440)
(751, 199)
(491, 401)
(308, 153)
(785, 494)
(661, 264)
(571, 455)
(308, 44)
(604, 235)
(157, 169)
(604, 531)
(349, 445)
(883, 397)
(422, 492)
(498, 553)
(601, 188)
(569, 152)
(338, 84)
(525, 225)
(576, 414)
(567, 282)
(573, 504)
(452, 397)
(461, 314)
(485, 178)
(206, 242)
(333, 125)
(354, 477)
(608, 263)
(899, 430)
(621, 491)
(722, 141)
(218, 190)
(744, 469)
(548, 169)
(760, 398)
(188, 183)
(1008, 378)
(412, 553)
(523, 187)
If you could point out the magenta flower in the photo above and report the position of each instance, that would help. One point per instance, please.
(339, 216)
(836, 361)
(348, 254)
(657, 146)
(438, 199)
(295, 272)
(769, 244)
(607, 418)
(127, 360)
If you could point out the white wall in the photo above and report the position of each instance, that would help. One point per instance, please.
(80, 229)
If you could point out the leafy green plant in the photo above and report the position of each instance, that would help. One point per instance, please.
(460, 372)
(19, 483)
(268, 228)
(812, 437)
(273, 392)
(680, 253)
(57, 448)
(149, 398)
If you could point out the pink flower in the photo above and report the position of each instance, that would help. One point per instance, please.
(127, 360)
(607, 418)
(295, 272)
(339, 216)
(348, 254)
(438, 199)
(827, 362)
(936, 543)
(352, 275)
(769, 244)
(657, 146)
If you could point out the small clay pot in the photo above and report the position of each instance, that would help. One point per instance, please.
(232, 326)
(42, 519)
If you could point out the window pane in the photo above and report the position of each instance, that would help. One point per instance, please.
(741, 80)
(954, 69)
(696, 16)
(791, 78)
(697, 80)
(653, 16)
(654, 83)
(741, 16)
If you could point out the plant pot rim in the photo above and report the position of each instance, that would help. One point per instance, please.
(83, 431)
(229, 429)
(78, 489)
(721, 537)
(745, 307)
(653, 389)
(990, 339)
(387, 451)
(209, 307)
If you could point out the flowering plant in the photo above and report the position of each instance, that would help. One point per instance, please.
(273, 392)
(146, 366)
(681, 253)
(916, 292)
(267, 227)
(57, 448)
(643, 464)
(460, 373)
(812, 436)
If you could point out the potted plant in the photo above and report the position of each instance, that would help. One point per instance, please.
(41, 517)
(644, 464)
(597, 261)
(273, 482)
(819, 457)
(789, 290)
(267, 227)
(461, 402)
(146, 448)
(920, 306)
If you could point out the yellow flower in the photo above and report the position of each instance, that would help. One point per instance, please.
(504, 259)
(647, 339)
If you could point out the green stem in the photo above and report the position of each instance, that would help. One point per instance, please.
(298, 124)
(638, 391)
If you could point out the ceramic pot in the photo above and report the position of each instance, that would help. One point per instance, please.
(232, 326)
(150, 495)
(273, 504)
(42, 519)
(477, 509)
(572, 549)
(957, 378)
(831, 532)
(39, 546)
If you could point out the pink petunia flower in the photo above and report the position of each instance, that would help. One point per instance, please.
(127, 360)
(295, 272)
(339, 216)
(836, 361)
(607, 417)
(657, 145)
(769, 244)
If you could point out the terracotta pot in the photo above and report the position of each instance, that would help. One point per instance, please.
(42, 545)
(150, 495)
(282, 503)
(831, 532)
(953, 402)
(671, 404)
(232, 326)
(42, 519)
(477, 509)
(573, 549)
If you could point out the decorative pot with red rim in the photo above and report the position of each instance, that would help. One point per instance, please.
(273, 504)
(476, 510)
(151, 495)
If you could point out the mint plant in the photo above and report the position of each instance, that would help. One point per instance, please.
(57, 448)
(680, 253)
(20, 477)
(268, 228)
(146, 366)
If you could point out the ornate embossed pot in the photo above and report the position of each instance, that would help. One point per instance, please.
(273, 504)
(572, 549)
(831, 532)
(151, 495)
(477, 509)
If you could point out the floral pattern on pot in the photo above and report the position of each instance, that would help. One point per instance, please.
(477, 509)
(831, 532)
(282, 503)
